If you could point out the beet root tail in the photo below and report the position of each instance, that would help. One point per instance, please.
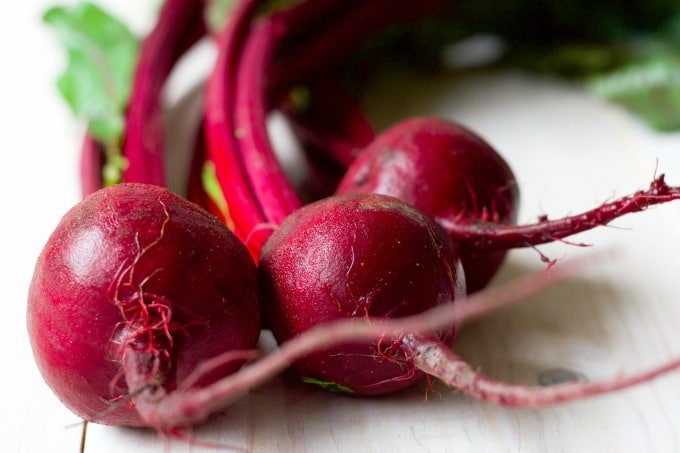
(487, 236)
(191, 406)
(439, 361)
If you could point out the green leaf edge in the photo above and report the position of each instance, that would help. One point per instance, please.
(327, 385)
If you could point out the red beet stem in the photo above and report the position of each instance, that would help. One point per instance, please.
(274, 192)
(220, 124)
(91, 164)
(245, 109)
(484, 236)
(178, 27)
(332, 121)
(256, 205)
(195, 189)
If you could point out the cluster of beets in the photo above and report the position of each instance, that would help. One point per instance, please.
(146, 307)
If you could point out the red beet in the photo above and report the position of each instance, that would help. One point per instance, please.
(367, 256)
(134, 289)
(446, 171)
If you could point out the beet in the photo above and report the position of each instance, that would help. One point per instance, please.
(357, 256)
(134, 289)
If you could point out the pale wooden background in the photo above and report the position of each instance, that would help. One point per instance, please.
(569, 151)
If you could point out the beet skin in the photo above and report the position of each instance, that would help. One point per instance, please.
(134, 271)
(361, 256)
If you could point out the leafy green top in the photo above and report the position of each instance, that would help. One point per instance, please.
(96, 84)
(217, 12)
(649, 84)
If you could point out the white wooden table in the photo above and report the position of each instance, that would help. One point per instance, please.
(569, 151)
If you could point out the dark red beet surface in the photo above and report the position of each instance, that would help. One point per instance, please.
(118, 243)
(357, 256)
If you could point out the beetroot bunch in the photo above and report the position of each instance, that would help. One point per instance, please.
(144, 307)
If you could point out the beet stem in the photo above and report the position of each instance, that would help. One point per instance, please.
(272, 189)
(333, 122)
(220, 121)
(236, 109)
(91, 165)
(220, 125)
(238, 95)
(179, 25)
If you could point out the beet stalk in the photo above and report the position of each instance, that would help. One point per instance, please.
(256, 188)
(227, 102)
(179, 25)
(273, 191)
(220, 126)
(329, 121)
(92, 158)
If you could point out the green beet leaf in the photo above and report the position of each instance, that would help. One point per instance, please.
(651, 90)
(102, 54)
